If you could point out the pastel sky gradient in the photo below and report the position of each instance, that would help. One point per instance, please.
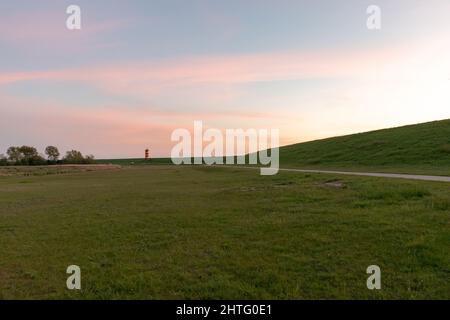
(140, 69)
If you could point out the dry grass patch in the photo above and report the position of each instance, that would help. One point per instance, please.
(54, 169)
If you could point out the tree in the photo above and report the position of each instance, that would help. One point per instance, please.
(28, 152)
(25, 155)
(14, 154)
(30, 156)
(74, 157)
(52, 153)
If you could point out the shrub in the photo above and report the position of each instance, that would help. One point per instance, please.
(3, 160)
(76, 157)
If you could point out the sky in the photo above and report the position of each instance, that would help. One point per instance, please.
(139, 69)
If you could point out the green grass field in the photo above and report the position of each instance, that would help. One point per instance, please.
(156, 232)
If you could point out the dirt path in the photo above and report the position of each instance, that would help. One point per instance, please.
(382, 175)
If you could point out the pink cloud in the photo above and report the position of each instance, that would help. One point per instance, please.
(47, 31)
(148, 78)
(106, 132)
(109, 131)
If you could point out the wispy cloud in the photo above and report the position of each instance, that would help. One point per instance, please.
(101, 130)
(151, 77)
(46, 30)
(80, 90)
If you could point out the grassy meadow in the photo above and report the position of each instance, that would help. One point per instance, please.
(168, 232)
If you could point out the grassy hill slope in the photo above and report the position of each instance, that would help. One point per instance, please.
(420, 148)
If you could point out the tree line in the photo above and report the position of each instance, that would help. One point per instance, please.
(29, 156)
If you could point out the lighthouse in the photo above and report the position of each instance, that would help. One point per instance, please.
(147, 154)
